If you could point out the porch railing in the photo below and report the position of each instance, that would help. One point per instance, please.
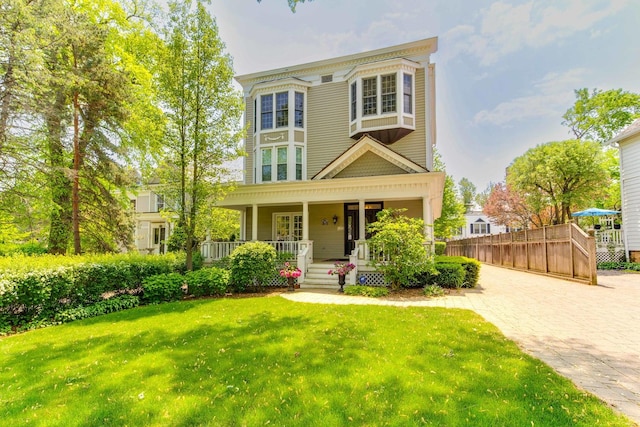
(609, 237)
(212, 251)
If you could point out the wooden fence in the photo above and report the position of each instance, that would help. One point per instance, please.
(561, 250)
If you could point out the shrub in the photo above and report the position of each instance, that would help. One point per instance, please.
(628, 266)
(252, 264)
(471, 268)
(440, 247)
(118, 303)
(449, 276)
(366, 291)
(207, 282)
(433, 291)
(400, 239)
(162, 288)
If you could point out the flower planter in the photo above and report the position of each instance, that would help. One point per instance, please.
(341, 280)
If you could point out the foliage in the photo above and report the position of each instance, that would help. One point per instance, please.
(440, 248)
(452, 215)
(449, 275)
(471, 268)
(433, 291)
(175, 364)
(293, 4)
(600, 115)
(504, 206)
(203, 110)
(252, 264)
(207, 282)
(467, 192)
(401, 240)
(628, 266)
(366, 291)
(36, 288)
(118, 303)
(290, 270)
(162, 288)
(562, 175)
(341, 268)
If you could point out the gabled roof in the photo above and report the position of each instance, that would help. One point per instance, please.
(629, 131)
(364, 145)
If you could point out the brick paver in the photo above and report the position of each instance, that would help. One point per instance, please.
(590, 334)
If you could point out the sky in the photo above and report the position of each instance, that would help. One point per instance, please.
(506, 70)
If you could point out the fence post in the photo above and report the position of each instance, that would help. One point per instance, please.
(513, 251)
(544, 248)
(573, 268)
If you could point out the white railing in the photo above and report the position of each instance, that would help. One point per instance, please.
(302, 264)
(212, 251)
(353, 259)
(609, 237)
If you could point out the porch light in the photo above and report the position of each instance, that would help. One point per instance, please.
(335, 219)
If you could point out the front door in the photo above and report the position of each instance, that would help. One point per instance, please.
(159, 236)
(352, 230)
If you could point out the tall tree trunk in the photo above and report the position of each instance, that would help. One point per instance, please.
(60, 185)
(75, 190)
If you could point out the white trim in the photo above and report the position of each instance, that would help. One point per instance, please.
(364, 145)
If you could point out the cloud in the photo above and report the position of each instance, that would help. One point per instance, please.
(552, 95)
(505, 28)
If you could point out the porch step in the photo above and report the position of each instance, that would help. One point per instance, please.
(317, 276)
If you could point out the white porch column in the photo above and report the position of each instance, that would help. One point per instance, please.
(243, 225)
(305, 221)
(427, 217)
(254, 222)
(361, 220)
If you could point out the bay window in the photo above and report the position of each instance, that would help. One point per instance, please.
(299, 110)
(369, 96)
(266, 164)
(266, 108)
(388, 93)
(282, 109)
(407, 90)
(282, 163)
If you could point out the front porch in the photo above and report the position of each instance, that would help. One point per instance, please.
(610, 245)
(314, 271)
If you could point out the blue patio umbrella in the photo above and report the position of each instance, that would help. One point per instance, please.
(595, 212)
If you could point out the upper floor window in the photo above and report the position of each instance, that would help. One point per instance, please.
(266, 164)
(282, 109)
(282, 163)
(299, 163)
(388, 83)
(480, 227)
(159, 202)
(354, 100)
(407, 89)
(299, 110)
(266, 107)
(369, 96)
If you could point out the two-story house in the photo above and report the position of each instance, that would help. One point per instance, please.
(331, 143)
(152, 226)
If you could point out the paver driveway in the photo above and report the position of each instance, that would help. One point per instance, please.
(590, 334)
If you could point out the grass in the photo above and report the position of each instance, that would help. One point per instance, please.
(270, 361)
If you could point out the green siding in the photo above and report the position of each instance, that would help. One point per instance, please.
(370, 164)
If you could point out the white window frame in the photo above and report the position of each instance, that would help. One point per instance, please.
(293, 235)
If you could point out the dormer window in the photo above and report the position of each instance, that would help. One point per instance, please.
(382, 99)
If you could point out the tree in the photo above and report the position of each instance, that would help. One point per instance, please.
(562, 175)
(467, 192)
(203, 112)
(600, 115)
(452, 215)
(292, 4)
(401, 240)
(507, 207)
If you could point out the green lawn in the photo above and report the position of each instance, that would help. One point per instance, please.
(270, 361)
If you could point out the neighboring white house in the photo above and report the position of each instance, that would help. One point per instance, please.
(152, 227)
(478, 224)
(628, 141)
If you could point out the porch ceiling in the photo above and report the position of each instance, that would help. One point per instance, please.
(427, 185)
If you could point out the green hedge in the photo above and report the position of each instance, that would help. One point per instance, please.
(252, 264)
(207, 282)
(450, 275)
(470, 265)
(162, 288)
(440, 248)
(39, 287)
(625, 266)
